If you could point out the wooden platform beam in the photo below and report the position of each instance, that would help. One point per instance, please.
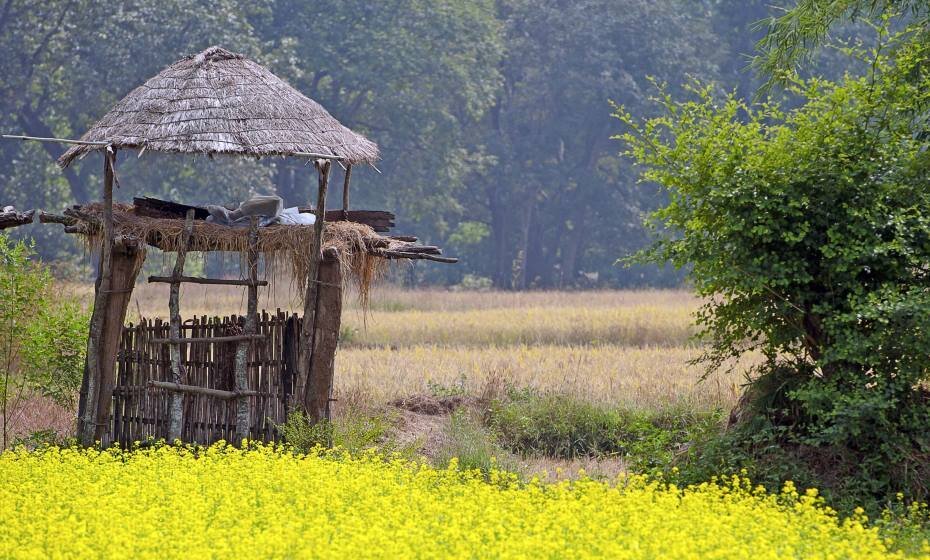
(10, 218)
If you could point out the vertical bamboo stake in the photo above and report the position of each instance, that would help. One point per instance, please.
(310, 294)
(176, 400)
(345, 192)
(242, 351)
(87, 417)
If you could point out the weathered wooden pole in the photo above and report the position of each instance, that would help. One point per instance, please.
(310, 292)
(126, 261)
(345, 192)
(325, 340)
(90, 387)
(243, 411)
(176, 400)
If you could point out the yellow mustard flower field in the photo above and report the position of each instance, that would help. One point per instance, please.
(269, 503)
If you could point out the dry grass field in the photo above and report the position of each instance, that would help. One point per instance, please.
(630, 348)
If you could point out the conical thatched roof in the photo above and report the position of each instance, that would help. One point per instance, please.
(218, 102)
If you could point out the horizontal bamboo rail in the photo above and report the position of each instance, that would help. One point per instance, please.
(59, 140)
(213, 281)
(233, 338)
(193, 389)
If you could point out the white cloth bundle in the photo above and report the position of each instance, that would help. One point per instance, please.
(269, 210)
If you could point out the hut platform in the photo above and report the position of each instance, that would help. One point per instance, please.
(362, 252)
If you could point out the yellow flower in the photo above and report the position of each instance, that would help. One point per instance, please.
(266, 502)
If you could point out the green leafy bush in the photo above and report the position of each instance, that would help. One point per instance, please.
(42, 335)
(808, 232)
(53, 347)
(530, 423)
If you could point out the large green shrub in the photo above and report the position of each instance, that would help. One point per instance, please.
(808, 231)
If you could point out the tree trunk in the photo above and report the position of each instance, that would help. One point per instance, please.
(571, 242)
(520, 260)
(537, 265)
(125, 266)
(88, 414)
(325, 341)
(286, 183)
(305, 349)
(499, 234)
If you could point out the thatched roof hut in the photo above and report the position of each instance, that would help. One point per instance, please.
(219, 102)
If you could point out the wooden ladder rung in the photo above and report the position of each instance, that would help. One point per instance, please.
(213, 281)
(233, 338)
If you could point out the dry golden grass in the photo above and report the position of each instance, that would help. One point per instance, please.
(415, 317)
(639, 378)
(632, 325)
(629, 348)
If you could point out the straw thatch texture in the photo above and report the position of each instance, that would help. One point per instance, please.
(218, 102)
(285, 248)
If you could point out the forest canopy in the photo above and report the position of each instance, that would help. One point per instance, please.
(493, 116)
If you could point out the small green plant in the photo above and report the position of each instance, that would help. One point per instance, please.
(40, 439)
(458, 388)
(473, 283)
(354, 430)
(347, 334)
(472, 445)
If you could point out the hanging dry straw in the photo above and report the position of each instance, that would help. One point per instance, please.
(286, 248)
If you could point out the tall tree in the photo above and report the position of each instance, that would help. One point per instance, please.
(411, 74)
(557, 182)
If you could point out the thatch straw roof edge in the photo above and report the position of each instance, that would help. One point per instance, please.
(219, 102)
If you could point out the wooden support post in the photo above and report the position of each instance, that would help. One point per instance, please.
(125, 264)
(325, 340)
(243, 412)
(310, 293)
(176, 401)
(90, 387)
(345, 192)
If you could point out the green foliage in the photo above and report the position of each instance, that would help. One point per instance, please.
(807, 232)
(792, 38)
(24, 289)
(353, 430)
(53, 349)
(559, 426)
(467, 440)
(42, 334)
(906, 525)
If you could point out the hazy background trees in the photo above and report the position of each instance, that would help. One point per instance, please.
(493, 115)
